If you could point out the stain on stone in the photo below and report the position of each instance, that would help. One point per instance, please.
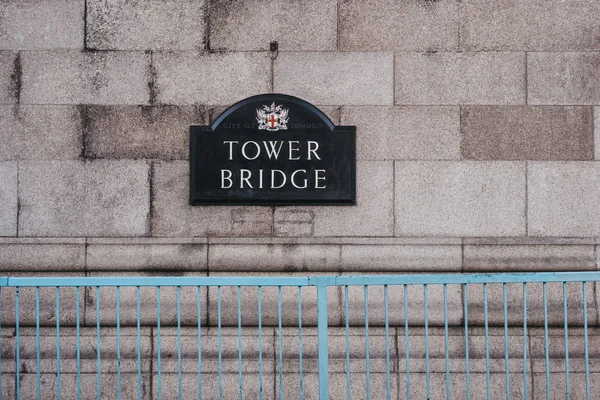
(16, 78)
(152, 74)
(83, 116)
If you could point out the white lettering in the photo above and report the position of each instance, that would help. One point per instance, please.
(292, 149)
(245, 177)
(273, 178)
(230, 143)
(260, 178)
(273, 152)
(244, 150)
(294, 182)
(313, 151)
(223, 178)
(318, 178)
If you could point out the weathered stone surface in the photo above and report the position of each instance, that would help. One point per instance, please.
(460, 78)
(40, 132)
(336, 78)
(293, 222)
(10, 70)
(263, 258)
(337, 386)
(404, 133)
(8, 199)
(145, 25)
(536, 25)
(533, 258)
(148, 302)
(173, 216)
(146, 257)
(399, 26)
(244, 25)
(70, 77)
(563, 199)
(373, 213)
(42, 257)
(74, 198)
(42, 25)
(460, 198)
(202, 78)
(526, 133)
(405, 258)
(563, 78)
(597, 132)
(140, 131)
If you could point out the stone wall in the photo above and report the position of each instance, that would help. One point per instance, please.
(475, 134)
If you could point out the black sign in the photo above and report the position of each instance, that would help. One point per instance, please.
(272, 149)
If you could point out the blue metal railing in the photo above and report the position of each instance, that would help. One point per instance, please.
(400, 320)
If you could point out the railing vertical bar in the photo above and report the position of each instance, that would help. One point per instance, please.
(58, 343)
(158, 345)
(505, 302)
(17, 347)
(300, 340)
(260, 345)
(466, 312)
(179, 366)
(37, 343)
(347, 342)
(585, 342)
(220, 342)
(487, 340)
(199, 335)
(368, 359)
(406, 351)
(98, 358)
(280, 343)
(239, 321)
(1, 344)
(565, 310)
(525, 341)
(323, 339)
(446, 342)
(545, 300)
(387, 342)
(119, 342)
(426, 317)
(139, 343)
(78, 343)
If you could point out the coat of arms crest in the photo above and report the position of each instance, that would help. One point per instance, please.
(272, 118)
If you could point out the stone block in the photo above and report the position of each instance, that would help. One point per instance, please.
(563, 78)
(563, 199)
(401, 26)
(372, 215)
(460, 78)
(40, 132)
(405, 133)
(535, 304)
(147, 25)
(536, 25)
(293, 222)
(10, 77)
(173, 216)
(329, 78)
(146, 257)
(533, 258)
(74, 198)
(396, 310)
(270, 299)
(148, 302)
(460, 198)
(42, 257)
(203, 78)
(270, 257)
(140, 132)
(597, 133)
(47, 306)
(242, 25)
(42, 25)
(8, 198)
(527, 133)
(70, 77)
(558, 387)
(401, 258)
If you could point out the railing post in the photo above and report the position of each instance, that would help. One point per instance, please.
(323, 342)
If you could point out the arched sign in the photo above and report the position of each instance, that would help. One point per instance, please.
(272, 149)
